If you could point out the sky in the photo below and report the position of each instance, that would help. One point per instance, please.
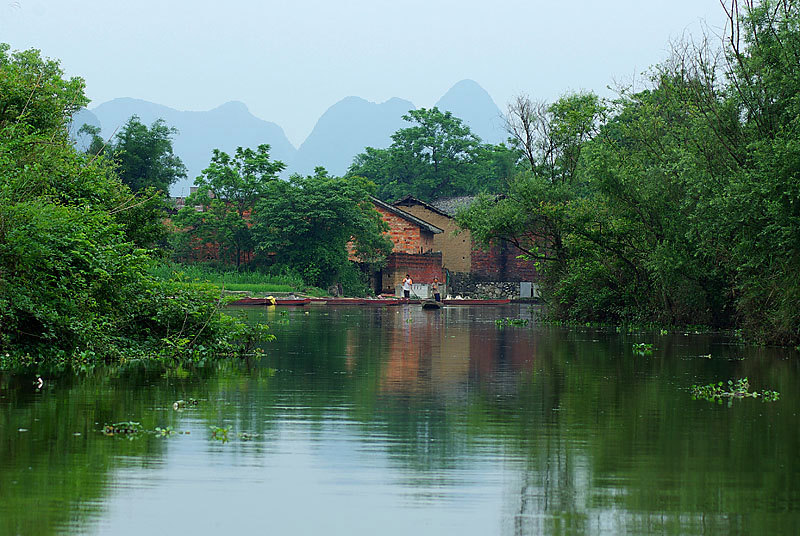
(290, 60)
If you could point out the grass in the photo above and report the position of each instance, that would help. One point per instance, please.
(254, 283)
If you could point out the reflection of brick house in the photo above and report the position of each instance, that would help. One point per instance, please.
(463, 259)
(414, 249)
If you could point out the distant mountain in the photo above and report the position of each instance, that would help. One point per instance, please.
(471, 103)
(352, 124)
(342, 132)
(199, 133)
(80, 118)
(345, 129)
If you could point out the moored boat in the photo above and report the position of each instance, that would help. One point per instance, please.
(476, 302)
(272, 301)
(360, 301)
(431, 304)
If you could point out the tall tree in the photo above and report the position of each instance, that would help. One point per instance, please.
(74, 289)
(227, 192)
(311, 223)
(682, 205)
(437, 156)
(145, 157)
(763, 200)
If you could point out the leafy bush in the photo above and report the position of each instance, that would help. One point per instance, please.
(75, 288)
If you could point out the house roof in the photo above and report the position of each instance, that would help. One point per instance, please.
(451, 205)
(410, 200)
(406, 216)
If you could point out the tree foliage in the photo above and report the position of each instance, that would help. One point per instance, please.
(144, 156)
(678, 203)
(227, 192)
(437, 156)
(308, 222)
(74, 285)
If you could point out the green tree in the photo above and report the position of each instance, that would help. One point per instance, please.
(762, 201)
(97, 144)
(228, 190)
(308, 222)
(74, 288)
(145, 157)
(682, 203)
(535, 213)
(438, 156)
(142, 212)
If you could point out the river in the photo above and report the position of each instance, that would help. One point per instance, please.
(397, 421)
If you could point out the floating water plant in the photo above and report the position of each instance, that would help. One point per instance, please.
(128, 428)
(182, 404)
(501, 322)
(715, 392)
(132, 430)
(164, 432)
(642, 348)
(219, 433)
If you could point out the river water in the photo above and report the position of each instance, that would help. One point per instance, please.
(398, 421)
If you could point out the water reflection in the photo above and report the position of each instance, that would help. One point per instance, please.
(397, 420)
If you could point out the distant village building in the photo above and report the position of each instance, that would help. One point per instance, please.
(414, 249)
(471, 269)
(456, 248)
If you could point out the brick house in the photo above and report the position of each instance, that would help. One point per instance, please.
(468, 265)
(414, 249)
(456, 248)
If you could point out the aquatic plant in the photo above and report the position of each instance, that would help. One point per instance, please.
(642, 348)
(181, 404)
(501, 322)
(219, 433)
(715, 392)
(164, 432)
(128, 428)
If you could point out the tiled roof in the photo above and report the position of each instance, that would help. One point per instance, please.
(410, 200)
(406, 216)
(451, 205)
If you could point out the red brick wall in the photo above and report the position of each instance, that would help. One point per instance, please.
(500, 263)
(422, 268)
(407, 237)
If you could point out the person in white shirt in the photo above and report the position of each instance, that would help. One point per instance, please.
(407, 282)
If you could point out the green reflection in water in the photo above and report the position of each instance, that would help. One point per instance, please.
(566, 429)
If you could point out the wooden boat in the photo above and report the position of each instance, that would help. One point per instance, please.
(359, 301)
(431, 304)
(273, 301)
(476, 302)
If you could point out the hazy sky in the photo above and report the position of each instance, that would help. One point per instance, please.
(290, 60)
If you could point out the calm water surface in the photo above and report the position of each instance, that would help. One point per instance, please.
(398, 421)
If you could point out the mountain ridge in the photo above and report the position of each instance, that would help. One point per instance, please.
(344, 130)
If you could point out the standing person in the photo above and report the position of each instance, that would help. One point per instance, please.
(435, 289)
(407, 286)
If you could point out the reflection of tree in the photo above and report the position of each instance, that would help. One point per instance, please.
(593, 438)
(55, 464)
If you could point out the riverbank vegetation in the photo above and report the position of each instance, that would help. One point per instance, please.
(307, 228)
(254, 283)
(678, 202)
(76, 286)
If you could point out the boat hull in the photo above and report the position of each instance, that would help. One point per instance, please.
(267, 301)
